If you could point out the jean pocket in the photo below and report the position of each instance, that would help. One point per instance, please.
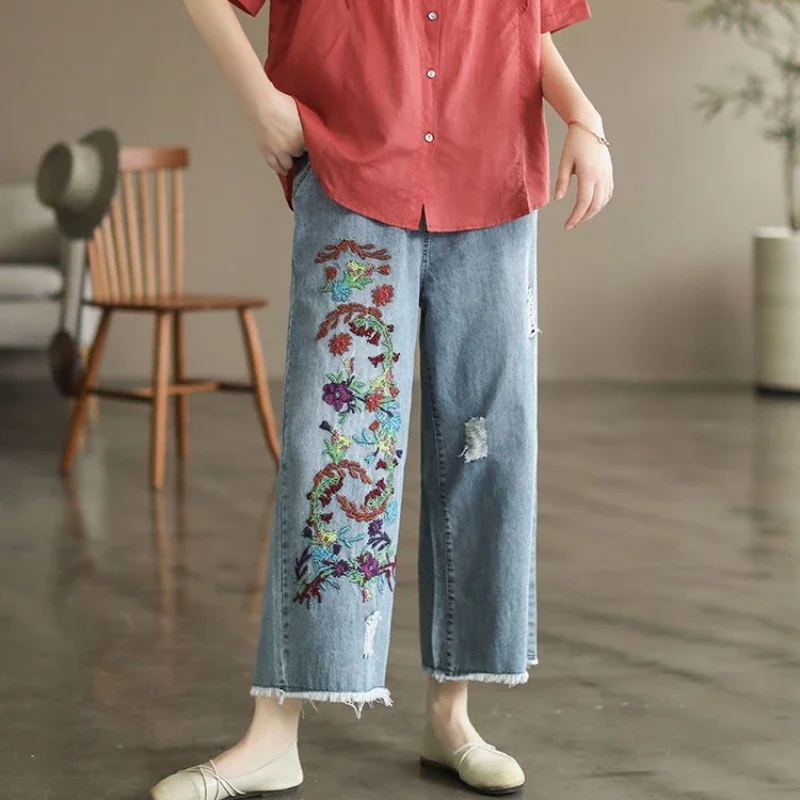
(302, 168)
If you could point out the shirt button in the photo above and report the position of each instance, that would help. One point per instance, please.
(432, 15)
(431, 73)
(429, 137)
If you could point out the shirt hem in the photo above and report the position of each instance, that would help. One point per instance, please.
(530, 207)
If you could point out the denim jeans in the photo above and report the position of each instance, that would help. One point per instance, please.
(360, 291)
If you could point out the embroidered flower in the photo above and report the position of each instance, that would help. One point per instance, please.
(382, 295)
(393, 423)
(330, 273)
(327, 538)
(340, 344)
(391, 511)
(379, 489)
(338, 395)
(356, 270)
(361, 329)
(373, 401)
(341, 568)
(378, 538)
(384, 270)
(369, 565)
(341, 291)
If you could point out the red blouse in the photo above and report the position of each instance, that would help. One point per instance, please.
(420, 104)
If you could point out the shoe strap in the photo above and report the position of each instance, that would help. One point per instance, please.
(460, 755)
(212, 778)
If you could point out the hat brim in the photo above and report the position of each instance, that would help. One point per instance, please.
(81, 225)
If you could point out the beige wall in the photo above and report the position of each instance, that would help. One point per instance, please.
(657, 288)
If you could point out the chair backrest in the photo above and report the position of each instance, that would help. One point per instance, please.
(138, 250)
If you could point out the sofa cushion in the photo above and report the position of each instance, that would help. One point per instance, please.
(29, 282)
(28, 230)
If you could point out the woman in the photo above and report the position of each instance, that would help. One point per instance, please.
(409, 137)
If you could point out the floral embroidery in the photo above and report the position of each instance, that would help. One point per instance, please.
(340, 343)
(358, 551)
(340, 396)
(341, 291)
(382, 295)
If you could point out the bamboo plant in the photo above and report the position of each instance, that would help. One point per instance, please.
(771, 27)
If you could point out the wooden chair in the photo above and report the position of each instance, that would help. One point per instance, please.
(136, 261)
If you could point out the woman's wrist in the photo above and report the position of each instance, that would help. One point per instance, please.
(588, 118)
(600, 136)
(262, 110)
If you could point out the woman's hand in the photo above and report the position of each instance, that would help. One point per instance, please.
(274, 115)
(279, 132)
(588, 159)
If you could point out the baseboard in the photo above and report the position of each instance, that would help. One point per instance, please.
(777, 392)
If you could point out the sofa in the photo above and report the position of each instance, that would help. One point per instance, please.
(40, 273)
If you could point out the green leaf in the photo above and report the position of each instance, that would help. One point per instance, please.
(337, 377)
(332, 452)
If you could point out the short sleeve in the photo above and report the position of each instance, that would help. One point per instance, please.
(251, 7)
(559, 14)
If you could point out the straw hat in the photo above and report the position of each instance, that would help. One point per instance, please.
(78, 179)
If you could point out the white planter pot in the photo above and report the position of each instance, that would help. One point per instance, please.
(777, 310)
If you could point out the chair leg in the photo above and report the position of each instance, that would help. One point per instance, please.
(81, 406)
(258, 375)
(158, 432)
(181, 400)
(93, 416)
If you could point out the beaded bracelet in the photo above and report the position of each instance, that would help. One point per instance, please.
(601, 139)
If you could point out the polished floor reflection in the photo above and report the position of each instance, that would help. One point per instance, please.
(670, 600)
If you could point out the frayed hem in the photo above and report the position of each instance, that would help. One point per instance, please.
(513, 679)
(356, 700)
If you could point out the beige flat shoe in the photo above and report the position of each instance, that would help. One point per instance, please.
(205, 782)
(480, 766)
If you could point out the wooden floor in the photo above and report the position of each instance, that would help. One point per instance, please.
(670, 607)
